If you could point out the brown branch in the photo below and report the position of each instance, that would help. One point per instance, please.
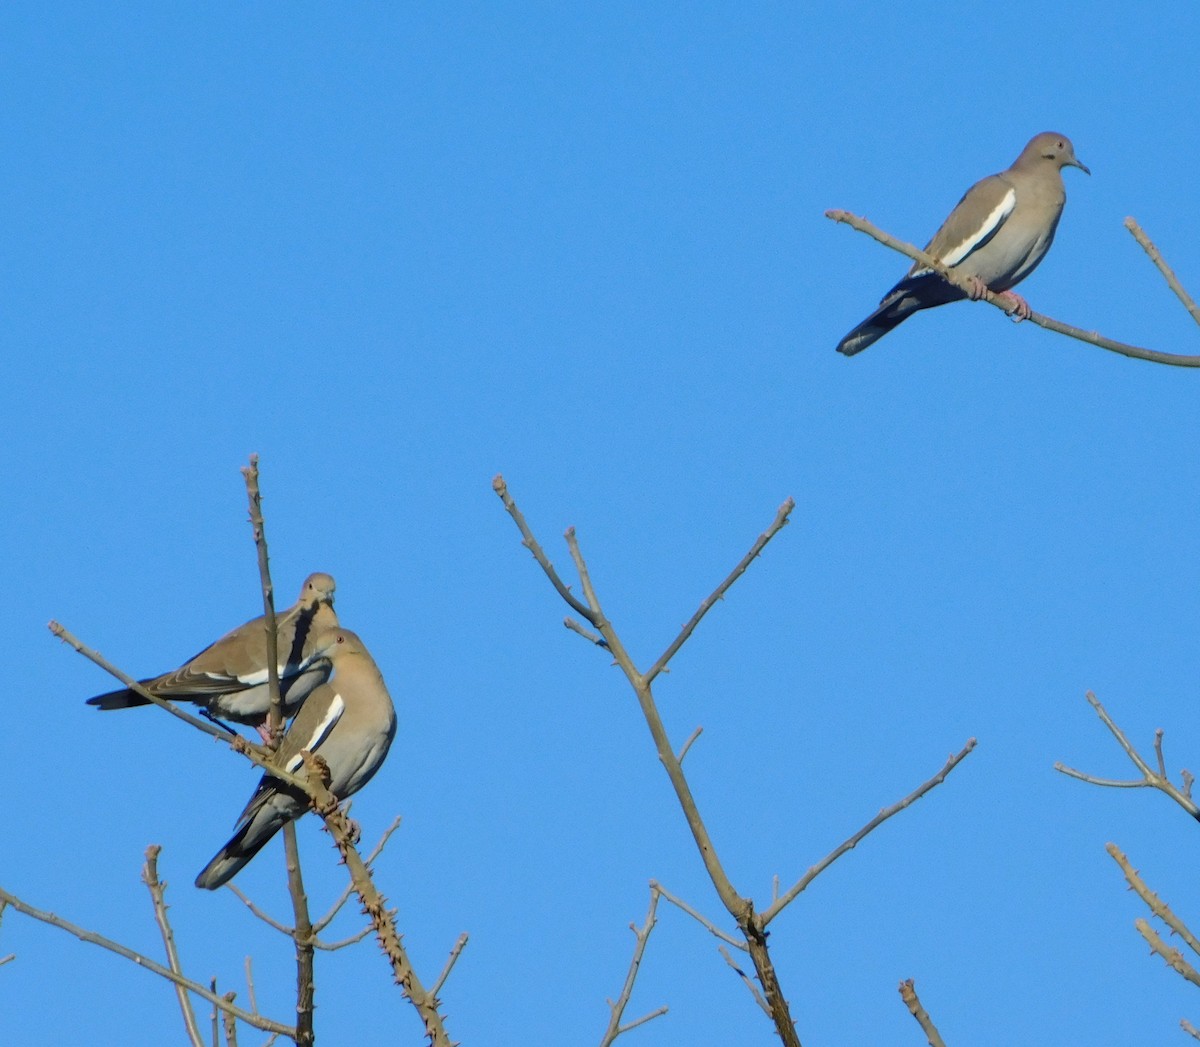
(849, 844)
(531, 543)
(302, 931)
(254, 496)
(1190, 1029)
(780, 521)
(1155, 904)
(302, 936)
(158, 897)
(1150, 778)
(908, 993)
(617, 1008)
(91, 937)
(742, 909)
(961, 281)
(1168, 274)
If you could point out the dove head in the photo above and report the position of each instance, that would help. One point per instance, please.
(318, 588)
(1050, 147)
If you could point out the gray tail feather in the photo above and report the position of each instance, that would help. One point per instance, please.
(910, 295)
(236, 854)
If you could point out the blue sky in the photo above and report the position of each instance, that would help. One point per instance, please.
(396, 252)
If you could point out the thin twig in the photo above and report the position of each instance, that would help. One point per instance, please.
(256, 1020)
(451, 960)
(12, 955)
(1156, 905)
(758, 996)
(250, 985)
(158, 897)
(354, 939)
(683, 751)
(781, 519)
(1150, 777)
(266, 918)
(1157, 258)
(531, 543)
(781, 903)
(586, 633)
(1190, 1029)
(700, 918)
(962, 282)
(617, 1008)
(302, 932)
(908, 994)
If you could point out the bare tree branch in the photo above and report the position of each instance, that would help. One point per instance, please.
(962, 282)
(699, 917)
(758, 996)
(256, 1020)
(908, 993)
(215, 1017)
(451, 960)
(1168, 274)
(742, 909)
(1150, 778)
(1190, 1029)
(158, 898)
(847, 845)
(617, 1008)
(302, 931)
(683, 749)
(781, 520)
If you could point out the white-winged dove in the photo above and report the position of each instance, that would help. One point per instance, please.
(349, 722)
(996, 236)
(229, 678)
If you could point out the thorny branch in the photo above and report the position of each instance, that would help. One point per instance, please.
(961, 281)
